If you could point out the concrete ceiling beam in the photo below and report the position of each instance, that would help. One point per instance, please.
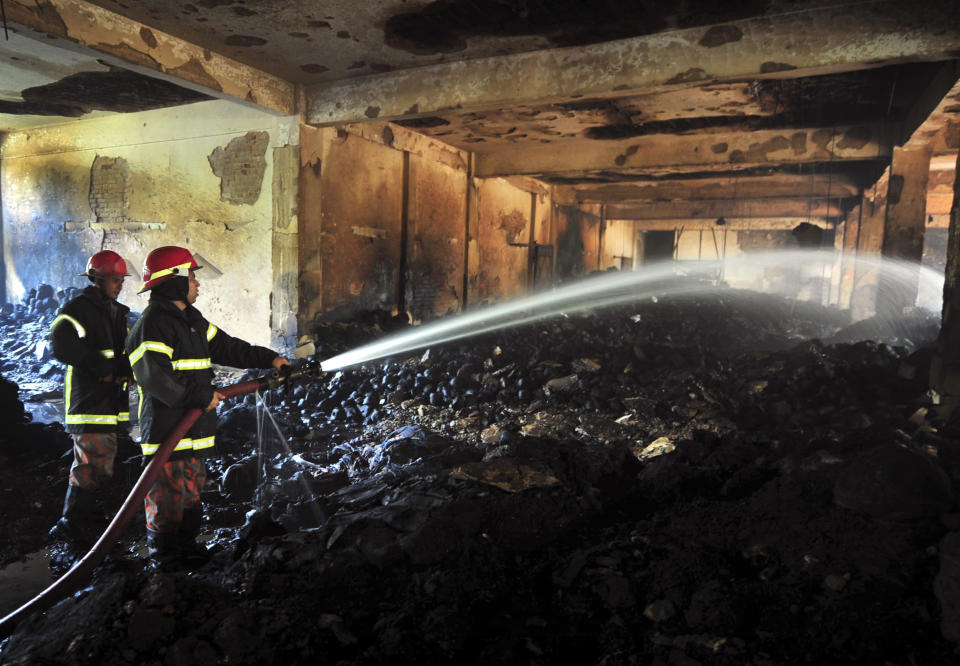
(756, 208)
(761, 147)
(802, 43)
(833, 186)
(531, 185)
(401, 138)
(733, 223)
(132, 45)
(936, 107)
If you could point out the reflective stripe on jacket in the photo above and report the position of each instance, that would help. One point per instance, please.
(172, 353)
(88, 338)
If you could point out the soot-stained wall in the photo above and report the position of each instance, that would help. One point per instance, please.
(389, 221)
(503, 240)
(199, 175)
(359, 225)
(617, 245)
(437, 209)
(576, 231)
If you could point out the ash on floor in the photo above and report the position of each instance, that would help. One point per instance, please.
(687, 481)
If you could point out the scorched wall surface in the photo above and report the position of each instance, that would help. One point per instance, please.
(198, 175)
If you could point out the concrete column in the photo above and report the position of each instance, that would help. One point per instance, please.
(847, 247)
(283, 295)
(310, 224)
(469, 236)
(471, 264)
(904, 224)
(836, 271)
(945, 366)
(869, 242)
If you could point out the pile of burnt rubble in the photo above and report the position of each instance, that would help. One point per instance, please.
(696, 481)
(26, 354)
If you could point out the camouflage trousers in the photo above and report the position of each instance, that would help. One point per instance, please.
(93, 456)
(175, 490)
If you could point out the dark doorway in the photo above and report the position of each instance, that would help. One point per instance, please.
(657, 246)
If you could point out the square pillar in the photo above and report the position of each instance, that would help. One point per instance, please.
(904, 225)
(945, 365)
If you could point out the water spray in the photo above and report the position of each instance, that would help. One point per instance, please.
(591, 293)
(625, 286)
(265, 418)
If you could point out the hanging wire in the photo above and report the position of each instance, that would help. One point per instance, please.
(3, 15)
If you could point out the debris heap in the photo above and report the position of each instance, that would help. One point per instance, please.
(682, 481)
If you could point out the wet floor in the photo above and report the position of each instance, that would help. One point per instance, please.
(21, 581)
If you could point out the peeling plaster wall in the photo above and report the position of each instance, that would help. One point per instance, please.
(137, 181)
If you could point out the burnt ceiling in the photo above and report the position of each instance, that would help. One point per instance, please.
(309, 42)
(116, 89)
(445, 26)
(883, 94)
(875, 96)
(826, 89)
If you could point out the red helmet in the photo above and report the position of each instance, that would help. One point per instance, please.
(166, 262)
(106, 263)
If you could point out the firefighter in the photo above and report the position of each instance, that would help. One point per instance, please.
(171, 349)
(88, 336)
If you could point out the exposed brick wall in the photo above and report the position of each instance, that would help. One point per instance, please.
(240, 167)
(109, 185)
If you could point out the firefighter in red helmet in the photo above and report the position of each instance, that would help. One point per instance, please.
(172, 348)
(88, 337)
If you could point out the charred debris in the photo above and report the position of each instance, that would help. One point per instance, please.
(725, 479)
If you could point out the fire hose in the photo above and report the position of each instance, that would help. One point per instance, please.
(81, 571)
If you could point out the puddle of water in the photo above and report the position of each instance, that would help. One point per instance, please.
(21, 581)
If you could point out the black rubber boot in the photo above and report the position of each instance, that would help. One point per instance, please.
(191, 551)
(79, 525)
(163, 548)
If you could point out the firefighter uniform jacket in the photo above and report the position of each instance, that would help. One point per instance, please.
(88, 336)
(172, 352)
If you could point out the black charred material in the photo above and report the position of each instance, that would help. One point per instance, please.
(25, 354)
(444, 26)
(723, 480)
(117, 90)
